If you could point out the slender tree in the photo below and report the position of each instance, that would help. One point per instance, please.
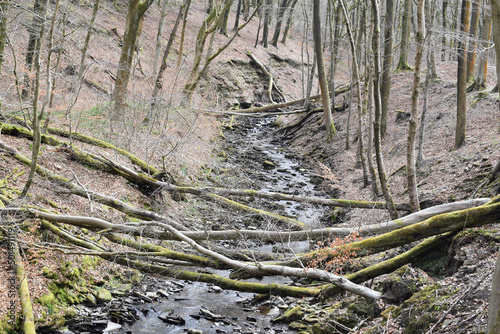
(376, 98)
(385, 89)
(159, 35)
(133, 26)
(267, 18)
(412, 125)
(4, 10)
(357, 81)
(472, 48)
(318, 50)
(444, 23)
(281, 14)
(462, 76)
(405, 38)
(482, 66)
(495, 20)
(289, 21)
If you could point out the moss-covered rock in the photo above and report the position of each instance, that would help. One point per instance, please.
(103, 295)
(292, 314)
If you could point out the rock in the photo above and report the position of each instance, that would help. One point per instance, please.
(268, 164)
(292, 314)
(194, 331)
(103, 296)
(112, 327)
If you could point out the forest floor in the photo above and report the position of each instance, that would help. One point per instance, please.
(183, 141)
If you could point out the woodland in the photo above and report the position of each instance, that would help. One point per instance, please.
(337, 160)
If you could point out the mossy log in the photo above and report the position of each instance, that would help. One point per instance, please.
(99, 198)
(345, 203)
(443, 223)
(272, 84)
(223, 282)
(22, 280)
(390, 265)
(290, 222)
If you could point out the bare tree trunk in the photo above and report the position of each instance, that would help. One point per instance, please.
(428, 76)
(159, 35)
(159, 76)
(412, 125)
(318, 50)
(482, 67)
(289, 22)
(183, 34)
(405, 38)
(444, 23)
(34, 31)
(472, 48)
(4, 10)
(133, 26)
(283, 6)
(267, 18)
(462, 76)
(237, 18)
(385, 89)
(357, 81)
(495, 17)
(376, 96)
(86, 44)
(37, 112)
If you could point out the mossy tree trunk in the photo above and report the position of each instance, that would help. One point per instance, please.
(133, 26)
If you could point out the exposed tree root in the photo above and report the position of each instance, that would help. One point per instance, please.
(272, 84)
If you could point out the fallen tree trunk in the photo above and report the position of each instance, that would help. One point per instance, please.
(272, 84)
(23, 288)
(338, 91)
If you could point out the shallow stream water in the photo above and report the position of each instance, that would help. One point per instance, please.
(254, 146)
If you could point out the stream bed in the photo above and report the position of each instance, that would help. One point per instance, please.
(195, 307)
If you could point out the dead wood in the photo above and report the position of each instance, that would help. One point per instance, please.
(22, 281)
(272, 83)
(276, 106)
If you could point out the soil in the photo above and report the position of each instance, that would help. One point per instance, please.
(185, 142)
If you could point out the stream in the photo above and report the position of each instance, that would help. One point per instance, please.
(194, 307)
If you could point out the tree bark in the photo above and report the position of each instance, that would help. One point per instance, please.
(318, 50)
(267, 19)
(412, 125)
(385, 89)
(159, 35)
(283, 6)
(494, 309)
(4, 10)
(405, 38)
(288, 22)
(376, 124)
(462, 76)
(444, 23)
(133, 26)
(482, 67)
(495, 19)
(472, 48)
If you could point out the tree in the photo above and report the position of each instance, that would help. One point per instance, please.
(4, 9)
(376, 98)
(495, 17)
(267, 18)
(318, 50)
(472, 48)
(289, 21)
(412, 124)
(405, 38)
(482, 67)
(281, 14)
(385, 89)
(462, 75)
(159, 34)
(133, 26)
